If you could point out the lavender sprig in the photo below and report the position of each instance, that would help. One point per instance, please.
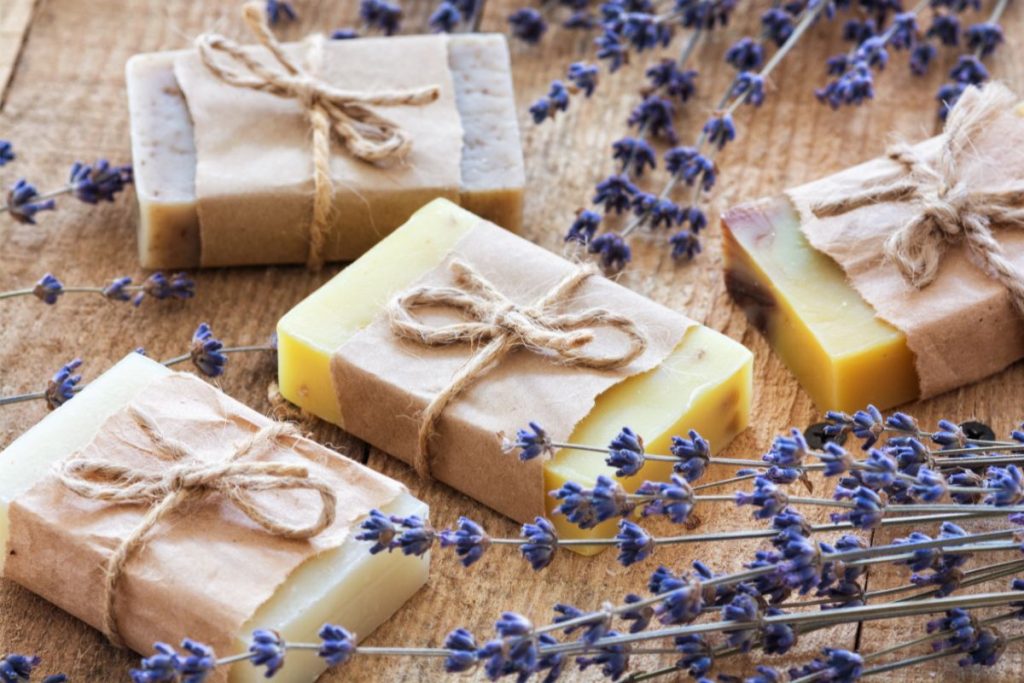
(89, 183)
(49, 289)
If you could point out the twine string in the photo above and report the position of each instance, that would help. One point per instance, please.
(187, 479)
(366, 134)
(501, 325)
(949, 210)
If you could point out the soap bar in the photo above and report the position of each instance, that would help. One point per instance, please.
(860, 321)
(843, 355)
(700, 379)
(188, 579)
(260, 214)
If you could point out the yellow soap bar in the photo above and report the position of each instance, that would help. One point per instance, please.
(842, 354)
(705, 384)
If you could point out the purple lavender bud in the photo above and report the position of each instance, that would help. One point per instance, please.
(984, 38)
(746, 54)
(921, 57)
(969, 70)
(673, 499)
(417, 536)
(344, 34)
(613, 659)
(626, 452)
(540, 110)
(93, 183)
(48, 289)
(586, 508)
(851, 88)
(558, 95)
(610, 48)
(948, 95)
(159, 287)
(868, 425)
(267, 649)
(966, 478)
(945, 28)
(645, 31)
(612, 251)
(531, 442)
(766, 496)
(922, 558)
(950, 435)
(691, 167)
(904, 31)
(62, 386)
(541, 543)
(198, 662)
(788, 450)
(869, 510)
(873, 53)
(206, 352)
(901, 422)
(685, 245)
(469, 540)
(836, 459)
(381, 15)
(278, 10)
(777, 638)
(655, 115)
(697, 655)
(929, 487)
(23, 202)
(583, 76)
(634, 154)
(337, 645)
(986, 649)
(378, 529)
(742, 609)
(616, 193)
(527, 25)
(462, 649)
(6, 152)
(777, 25)
(857, 31)
(720, 130)
(158, 668)
(445, 19)
(879, 470)
(964, 626)
(592, 631)
(640, 616)
(802, 560)
(584, 227)
(677, 83)
(682, 601)
(749, 86)
(694, 455)
(1008, 483)
(634, 544)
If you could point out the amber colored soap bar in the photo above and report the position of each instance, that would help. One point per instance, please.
(165, 161)
(843, 355)
(704, 383)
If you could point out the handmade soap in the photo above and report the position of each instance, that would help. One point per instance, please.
(899, 278)
(339, 583)
(475, 158)
(702, 381)
(843, 355)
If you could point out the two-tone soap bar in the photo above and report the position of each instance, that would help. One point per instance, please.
(487, 165)
(185, 579)
(702, 382)
(843, 355)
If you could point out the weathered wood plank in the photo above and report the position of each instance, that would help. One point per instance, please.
(15, 18)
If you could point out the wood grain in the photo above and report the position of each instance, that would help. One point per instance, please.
(66, 102)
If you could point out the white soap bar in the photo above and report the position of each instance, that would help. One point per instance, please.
(346, 586)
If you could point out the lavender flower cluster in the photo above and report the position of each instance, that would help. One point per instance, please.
(89, 183)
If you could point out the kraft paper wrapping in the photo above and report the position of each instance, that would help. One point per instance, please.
(383, 382)
(254, 170)
(206, 569)
(962, 327)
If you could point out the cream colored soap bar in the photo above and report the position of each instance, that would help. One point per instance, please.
(345, 586)
(164, 154)
(830, 338)
(705, 384)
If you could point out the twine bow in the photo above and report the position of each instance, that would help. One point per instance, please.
(187, 480)
(364, 133)
(950, 210)
(502, 326)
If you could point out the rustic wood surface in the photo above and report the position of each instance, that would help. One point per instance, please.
(65, 101)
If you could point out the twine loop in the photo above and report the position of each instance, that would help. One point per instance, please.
(366, 135)
(950, 210)
(501, 325)
(189, 479)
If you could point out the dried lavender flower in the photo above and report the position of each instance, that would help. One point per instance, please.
(62, 386)
(528, 25)
(267, 649)
(24, 202)
(48, 289)
(337, 646)
(381, 15)
(445, 18)
(6, 152)
(93, 183)
(206, 352)
(278, 10)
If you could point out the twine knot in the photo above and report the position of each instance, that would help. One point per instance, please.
(950, 210)
(187, 480)
(501, 325)
(345, 113)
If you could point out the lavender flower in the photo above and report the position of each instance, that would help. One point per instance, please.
(970, 70)
(463, 655)
(197, 663)
(869, 510)
(159, 668)
(344, 34)
(48, 289)
(720, 129)
(6, 152)
(612, 250)
(583, 76)
(584, 227)
(610, 48)
(616, 193)
(15, 668)
(586, 508)
(904, 31)
(745, 610)
(541, 543)
(640, 616)
(62, 386)
(676, 82)
(856, 31)
(613, 659)
(694, 455)
(417, 535)
(749, 86)
(267, 649)
(838, 666)
(691, 167)
(278, 10)
(964, 626)
(626, 452)
(159, 287)
(531, 443)
(777, 25)
(1008, 483)
(337, 645)
(682, 601)
(685, 245)
(697, 654)
(853, 87)
(469, 540)
(768, 497)
(946, 29)
(634, 544)
(23, 202)
(381, 14)
(986, 650)
(674, 499)
(445, 18)
(593, 631)
(93, 183)
(634, 154)
(655, 116)
(527, 25)
(115, 291)
(378, 529)
(206, 352)
(746, 54)
(930, 485)
(984, 38)
(921, 57)
(868, 425)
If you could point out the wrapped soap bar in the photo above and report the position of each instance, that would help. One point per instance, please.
(225, 173)
(877, 284)
(374, 349)
(154, 507)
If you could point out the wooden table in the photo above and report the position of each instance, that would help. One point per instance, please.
(62, 98)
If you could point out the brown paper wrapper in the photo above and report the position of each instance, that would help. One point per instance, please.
(206, 569)
(963, 311)
(383, 382)
(254, 171)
